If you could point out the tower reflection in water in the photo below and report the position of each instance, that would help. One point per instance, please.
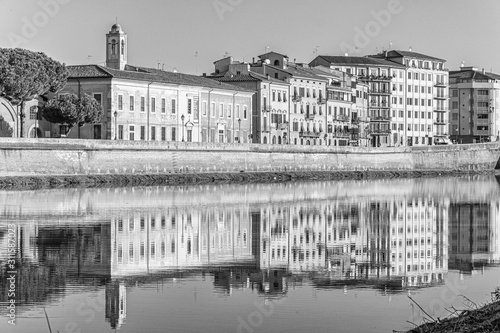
(262, 237)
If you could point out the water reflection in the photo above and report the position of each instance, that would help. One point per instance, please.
(389, 235)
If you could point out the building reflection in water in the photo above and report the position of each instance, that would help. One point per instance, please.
(387, 235)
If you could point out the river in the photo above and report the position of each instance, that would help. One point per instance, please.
(327, 256)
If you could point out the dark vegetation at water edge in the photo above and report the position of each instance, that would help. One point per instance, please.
(102, 180)
(475, 319)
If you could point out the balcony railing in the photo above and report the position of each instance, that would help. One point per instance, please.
(342, 118)
(380, 91)
(380, 118)
(379, 131)
(440, 109)
(379, 105)
(322, 100)
(309, 134)
(310, 116)
(375, 78)
(441, 96)
(266, 108)
(440, 84)
(439, 121)
(296, 98)
(341, 134)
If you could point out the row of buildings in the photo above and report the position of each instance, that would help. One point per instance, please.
(394, 98)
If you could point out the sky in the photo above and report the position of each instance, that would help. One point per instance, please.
(189, 35)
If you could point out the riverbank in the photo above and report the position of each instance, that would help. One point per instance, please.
(484, 319)
(153, 179)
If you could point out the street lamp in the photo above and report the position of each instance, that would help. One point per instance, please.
(182, 120)
(239, 130)
(116, 122)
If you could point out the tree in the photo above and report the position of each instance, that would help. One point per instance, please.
(70, 110)
(25, 75)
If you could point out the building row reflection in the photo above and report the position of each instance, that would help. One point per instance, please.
(389, 244)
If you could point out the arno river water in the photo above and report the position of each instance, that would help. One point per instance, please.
(289, 257)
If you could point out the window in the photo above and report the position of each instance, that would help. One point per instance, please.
(221, 110)
(229, 110)
(238, 111)
(409, 88)
(120, 102)
(131, 133)
(244, 112)
(173, 106)
(143, 132)
(454, 105)
(33, 112)
(273, 96)
(189, 133)
(173, 133)
(454, 93)
(132, 103)
(153, 133)
(153, 105)
(482, 92)
(205, 107)
(190, 106)
(212, 109)
(163, 133)
(98, 98)
(163, 105)
(120, 132)
(143, 104)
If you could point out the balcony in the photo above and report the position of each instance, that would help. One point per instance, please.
(265, 129)
(440, 84)
(439, 121)
(380, 92)
(282, 126)
(380, 119)
(379, 105)
(310, 116)
(297, 99)
(379, 131)
(342, 118)
(441, 96)
(322, 100)
(341, 134)
(266, 108)
(382, 78)
(440, 109)
(309, 134)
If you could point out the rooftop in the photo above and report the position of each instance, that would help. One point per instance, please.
(147, 74)
(406, 54)
(473, 74)
(350, 60)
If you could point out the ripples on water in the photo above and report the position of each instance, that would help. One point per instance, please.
(323, 256)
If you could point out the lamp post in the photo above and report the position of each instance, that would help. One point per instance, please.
(456, 135)
(182, 120)
(116, 122)
(239, 130)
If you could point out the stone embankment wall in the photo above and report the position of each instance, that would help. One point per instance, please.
(38, 157)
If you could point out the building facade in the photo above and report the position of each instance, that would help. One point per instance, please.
(154, 105)
(475, 106)
(270, 112)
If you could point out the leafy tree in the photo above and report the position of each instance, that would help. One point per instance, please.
(70, 110)
(25, 75)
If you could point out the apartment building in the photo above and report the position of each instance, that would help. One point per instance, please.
(307, 97)
(271, 104)
(426, 103)
(475, 105)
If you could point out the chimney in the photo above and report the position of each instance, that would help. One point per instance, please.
(482, 70)
(204, 74)
(253, 60)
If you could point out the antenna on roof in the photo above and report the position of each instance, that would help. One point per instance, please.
(462, 64)
(409, 48)
(196, 62)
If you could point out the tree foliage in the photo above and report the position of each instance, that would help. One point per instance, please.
(71, 110)
(25, 75)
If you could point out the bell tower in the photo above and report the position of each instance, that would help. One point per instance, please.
(116, 48)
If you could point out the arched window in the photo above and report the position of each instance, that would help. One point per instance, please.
(274, 139)
(276, 63)
(113, 47)
(265, 140)
(279, 140)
